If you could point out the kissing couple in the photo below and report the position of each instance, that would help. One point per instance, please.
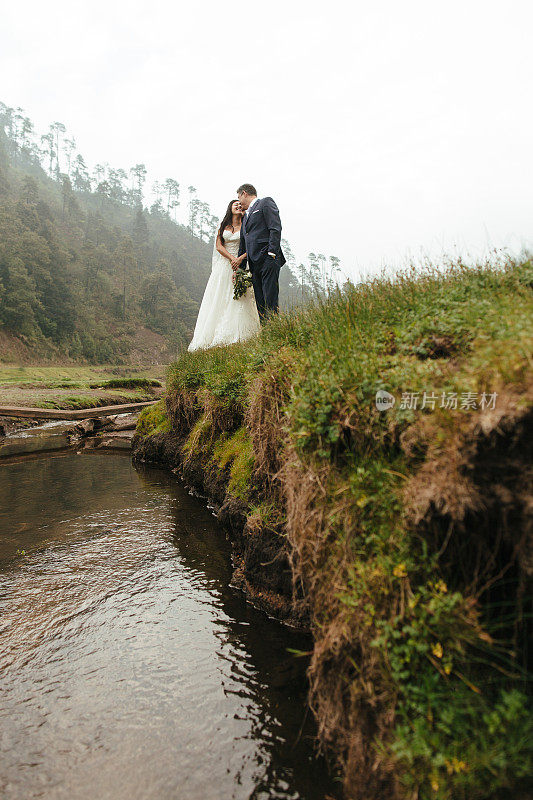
(249, 236)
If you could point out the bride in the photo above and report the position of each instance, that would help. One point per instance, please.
(221, 319)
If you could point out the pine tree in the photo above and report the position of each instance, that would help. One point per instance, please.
(19, 298)
(140, 228)
(125, 264)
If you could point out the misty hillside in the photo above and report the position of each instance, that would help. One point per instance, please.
(87, 270)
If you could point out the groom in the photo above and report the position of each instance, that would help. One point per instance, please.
(260, 240)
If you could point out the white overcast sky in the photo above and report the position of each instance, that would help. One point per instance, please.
(383, 130)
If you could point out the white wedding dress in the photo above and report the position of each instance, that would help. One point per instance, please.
(221, 319)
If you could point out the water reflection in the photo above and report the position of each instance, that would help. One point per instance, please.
(129, 668)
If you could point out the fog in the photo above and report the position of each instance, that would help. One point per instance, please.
(383, 131)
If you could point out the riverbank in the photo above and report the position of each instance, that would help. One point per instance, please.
(401, 534)
(90, 431)
(66, 392)
(78, 386)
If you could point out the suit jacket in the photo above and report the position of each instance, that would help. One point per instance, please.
(261, 233)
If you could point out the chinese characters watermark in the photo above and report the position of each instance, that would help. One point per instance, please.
(465, 401)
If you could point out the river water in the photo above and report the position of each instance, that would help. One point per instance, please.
(128, 667)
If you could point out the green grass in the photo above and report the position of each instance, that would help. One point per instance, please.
(236, 452)
(80, 401)
(410, 630)
(74, 375)
(126, 383)
(77, 387)
(153, 419)
(377, 335)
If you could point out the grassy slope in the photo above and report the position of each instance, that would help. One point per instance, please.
(405, 529)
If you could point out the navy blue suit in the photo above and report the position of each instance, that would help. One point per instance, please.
(261, 235)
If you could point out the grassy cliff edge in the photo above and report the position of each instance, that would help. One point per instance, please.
(402, 537)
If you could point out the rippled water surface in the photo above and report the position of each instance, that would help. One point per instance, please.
(129, 668)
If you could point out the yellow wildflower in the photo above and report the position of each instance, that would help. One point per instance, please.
(455, 765)
(437, 650)
(399, 571)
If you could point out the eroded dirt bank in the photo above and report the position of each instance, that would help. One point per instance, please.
(403, 538)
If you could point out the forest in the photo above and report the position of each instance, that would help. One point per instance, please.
(95, 261)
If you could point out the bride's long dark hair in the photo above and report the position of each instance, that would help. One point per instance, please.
(227, 222)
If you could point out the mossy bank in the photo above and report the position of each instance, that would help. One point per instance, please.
(400, 534)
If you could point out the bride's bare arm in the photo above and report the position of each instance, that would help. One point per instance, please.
(221, 249)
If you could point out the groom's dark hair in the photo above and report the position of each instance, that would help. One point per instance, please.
(248, 188)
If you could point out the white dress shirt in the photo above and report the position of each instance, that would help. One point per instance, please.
(248, 214)
(251, 206)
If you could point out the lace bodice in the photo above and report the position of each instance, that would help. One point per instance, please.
(231, 242)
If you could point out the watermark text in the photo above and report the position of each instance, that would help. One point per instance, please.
(463, 401)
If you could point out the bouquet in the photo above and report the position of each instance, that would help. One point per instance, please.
(242, 280)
